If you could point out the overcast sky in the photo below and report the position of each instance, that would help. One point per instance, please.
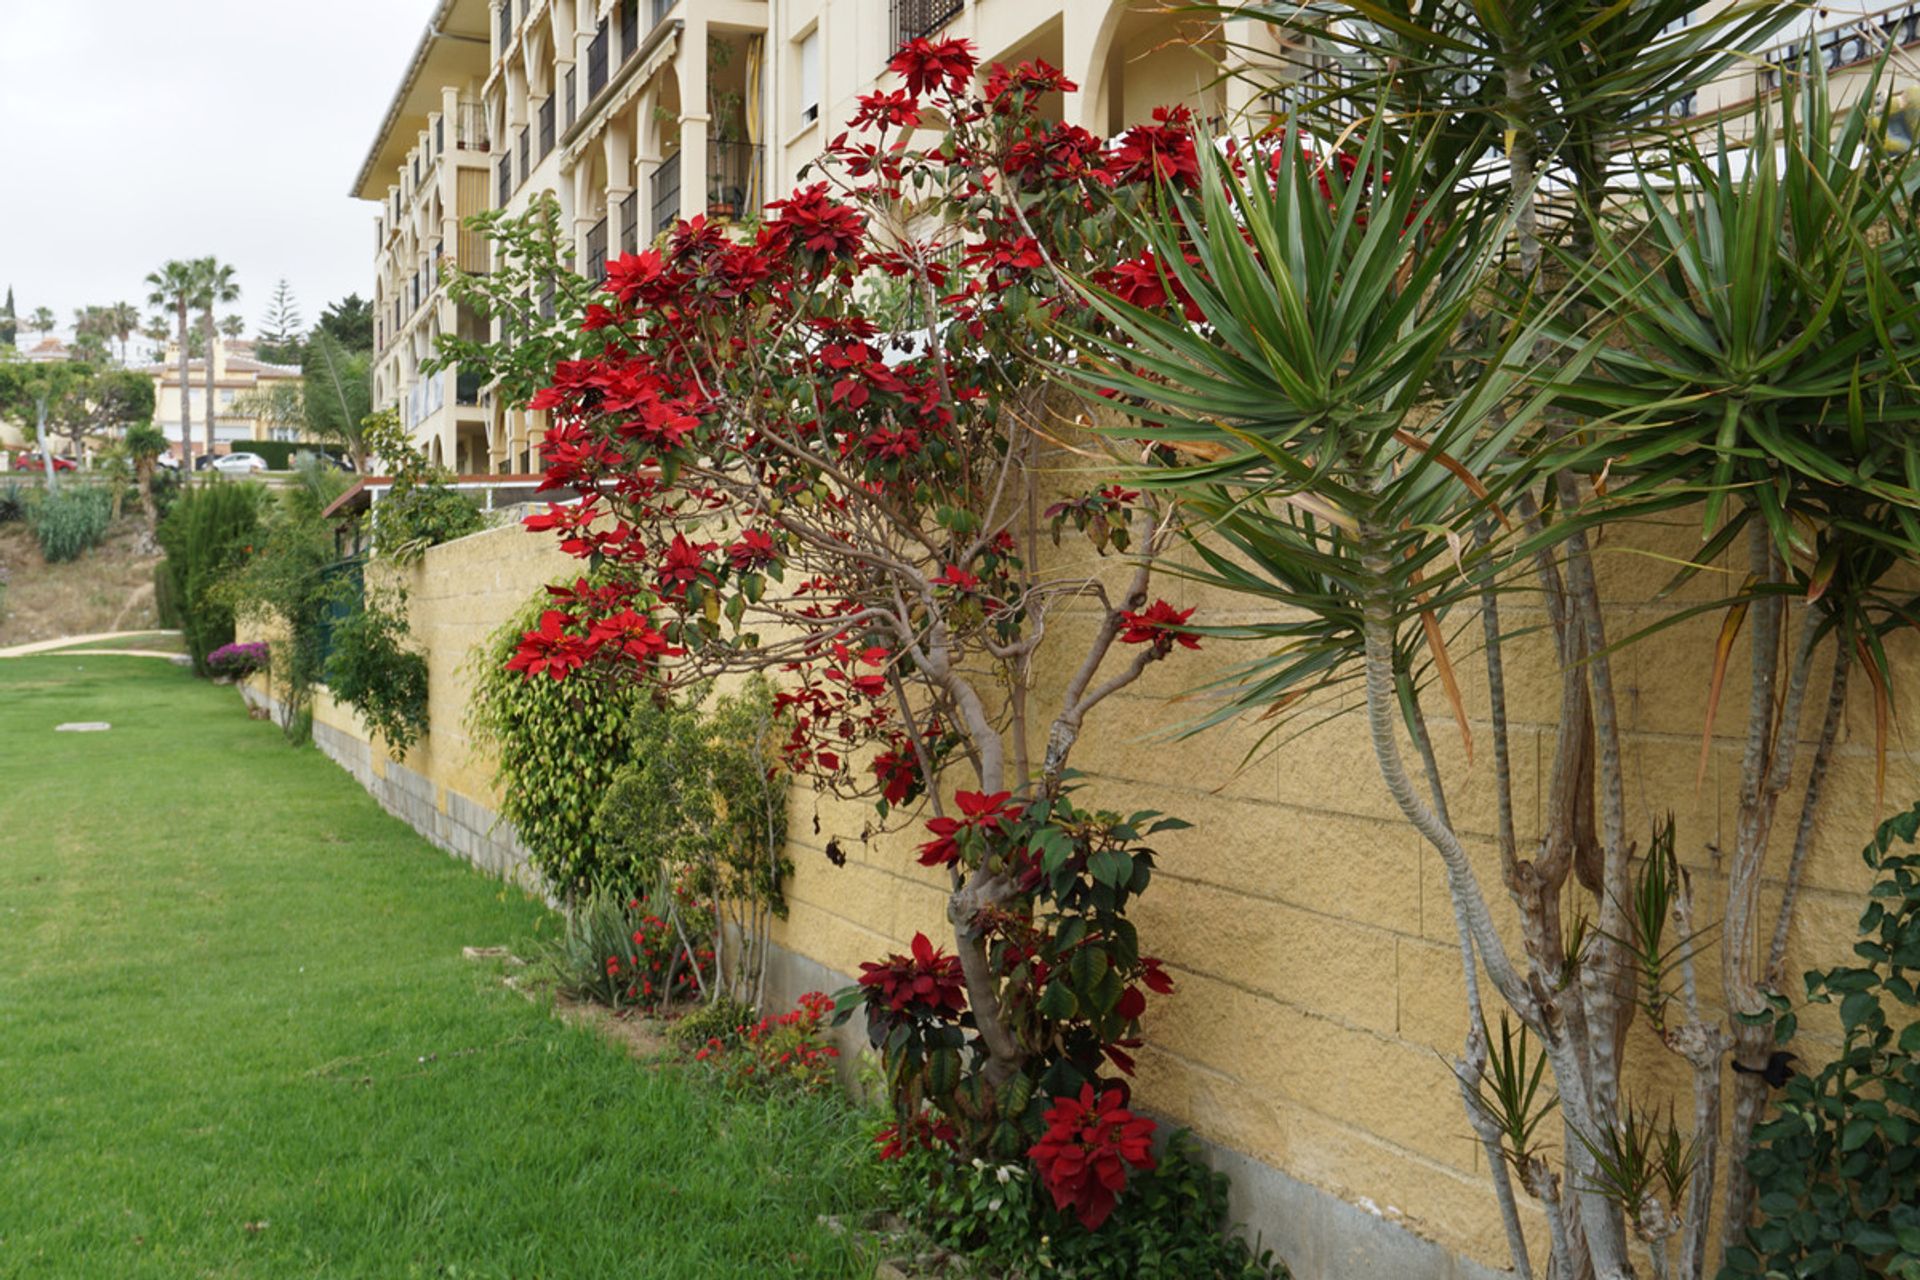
(134, 131)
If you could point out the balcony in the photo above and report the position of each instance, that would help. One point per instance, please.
(664, 186)
(661, 8)
(525, 148)
(1846, 45)
(506, 26)
(629, 28)
(573, 98)
(546, 128)
(466, 388)
(597, 252)
(506, 179)
(913, 19)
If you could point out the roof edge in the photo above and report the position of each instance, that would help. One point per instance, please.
(442, 11)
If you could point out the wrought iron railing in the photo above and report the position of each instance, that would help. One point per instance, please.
(597, 63)
(663, 189)
(629, 28)
(506, 178)
(1846, 45)
(630, 223)
(733, 179)
(661, 8)
(546, 128)
(573, 101)
(506, 24)
(466, 388)
(470, 126)
(526, 152)
(915, 18)
(597, 252)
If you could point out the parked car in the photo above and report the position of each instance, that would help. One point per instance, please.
(201, 461)
(33, 462)
(166, 462)
(239, 464)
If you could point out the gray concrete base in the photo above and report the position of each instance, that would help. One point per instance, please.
(1319, 1235)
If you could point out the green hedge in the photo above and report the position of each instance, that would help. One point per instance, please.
(208, 534)
(278, 454)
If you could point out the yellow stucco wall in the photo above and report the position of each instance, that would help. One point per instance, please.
(1319, 992)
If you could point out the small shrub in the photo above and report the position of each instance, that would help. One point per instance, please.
(416, 515)
(238, 661)
(1168, 1226)
(779, 1053)
(1838, 1169)
(374, 670)
(617, 952)
(207, 535)
(13, 502)
(721, 1018)
(72, 521)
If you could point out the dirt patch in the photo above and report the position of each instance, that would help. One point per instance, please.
(644, 1038)
(110, 588)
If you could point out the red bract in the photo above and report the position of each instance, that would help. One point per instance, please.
(926, 984)
(1154, 626)
(631, 635)
(887, 110)
(753, 550)
(927, 65)
(1158, 152)
(981, 813)
(1142, 282)
(1021, 87)
(1086, 1152)
(551, 649)
(817, 224)
(919, 1133)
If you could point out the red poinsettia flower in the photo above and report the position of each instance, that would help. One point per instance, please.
(816, 223)
(1086, 1152)
(1158, 152)
(753, 550)
(1156, 626)
(1143, 283)
(927, 983)
(927, 64)
(551, 649)
(898, 774)
(883, 110)
(921, 1132)
(980, 812)
(632, 635)
(957, 578)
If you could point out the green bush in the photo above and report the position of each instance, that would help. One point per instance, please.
(415, 516)
(557, 750)
(13, 502)
(1838, 1169)
(373, 669)
(72, 521)
(721, 1018)
(207, 535)
(616, 951)
(166, 598)
(1170, 1225)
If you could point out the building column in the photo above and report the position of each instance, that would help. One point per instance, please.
(1079, 47)
(691, 63)
(618, 145)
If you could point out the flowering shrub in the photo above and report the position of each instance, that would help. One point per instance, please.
(615, 951)
(1089, 1146)
(238, 661)
(784, 1051)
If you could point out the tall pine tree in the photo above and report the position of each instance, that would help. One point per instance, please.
(282, 339)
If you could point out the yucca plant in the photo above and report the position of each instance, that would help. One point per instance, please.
(1416, 385)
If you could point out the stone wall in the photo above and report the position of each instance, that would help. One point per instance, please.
(1320, 996)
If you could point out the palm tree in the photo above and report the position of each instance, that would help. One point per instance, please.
(144, 443)
(123, 319)
(176, 285)
(217, 288)
(42, 320)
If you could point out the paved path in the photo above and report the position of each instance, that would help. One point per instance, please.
(67, 642)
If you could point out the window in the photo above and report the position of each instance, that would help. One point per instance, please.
(809, 58)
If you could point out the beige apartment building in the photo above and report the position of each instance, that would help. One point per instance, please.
(239, 376)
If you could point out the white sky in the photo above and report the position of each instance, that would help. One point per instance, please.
(133, 131)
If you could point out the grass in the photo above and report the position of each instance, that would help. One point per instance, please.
(238, 1039)
(152, 641)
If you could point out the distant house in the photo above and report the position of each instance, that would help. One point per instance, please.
(239, 378)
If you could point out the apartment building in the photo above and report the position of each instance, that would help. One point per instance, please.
(633, 113)
(240, 380)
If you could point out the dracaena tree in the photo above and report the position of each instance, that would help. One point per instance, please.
(820, 446)
(1404, 358)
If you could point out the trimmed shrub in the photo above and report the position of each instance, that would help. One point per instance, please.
(238, 661)
(209, 533)
(279, 454)
(72, 521)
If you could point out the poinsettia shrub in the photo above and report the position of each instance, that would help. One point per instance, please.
(781, 469)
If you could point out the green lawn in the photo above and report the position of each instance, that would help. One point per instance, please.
(154, 641)
(237, 1036)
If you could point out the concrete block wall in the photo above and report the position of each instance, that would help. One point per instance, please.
(1307, 927)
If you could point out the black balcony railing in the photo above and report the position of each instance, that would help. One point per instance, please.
(664, 192)
(915, 18)
(597, 63)
(597, 252)
(466, 388)
(470, 127)
(506, 179)
(440, 136)
(629, 28)
(546, 128)
(630, 223)
(546, 301)
(1846, 45)
(506, 24)
(661, 8)
(526, 152)
(733, 179)
(573, 102)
